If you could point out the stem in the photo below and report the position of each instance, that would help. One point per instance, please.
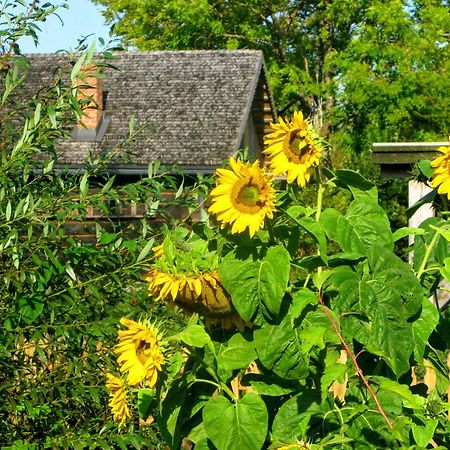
(320, 189)
(428, 254)
(355, 362)
(221, 384)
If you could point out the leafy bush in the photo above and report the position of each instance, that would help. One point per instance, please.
(61, 296)
(339, 347)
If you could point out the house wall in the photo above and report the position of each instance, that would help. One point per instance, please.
(251, 140)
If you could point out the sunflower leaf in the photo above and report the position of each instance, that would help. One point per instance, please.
(242, 425)
(253, 284)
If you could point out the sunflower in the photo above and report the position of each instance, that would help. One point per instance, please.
(139, 352)
(243, 197)
(117, 399)
(202, 293)
(441, 174)
(293, 149)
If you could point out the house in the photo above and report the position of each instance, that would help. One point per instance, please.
(198, 108)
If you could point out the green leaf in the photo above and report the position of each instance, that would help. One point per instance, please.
(312, 336)
(144, 252)
(252, 284)
(279, 349)
(195, 336)
(30, 307)
(333, 372)
(237, 353)
(300, 299)
(52, 115)
(425, 167)
(356, 184)
(242, 425)
(145, 399)
(131, 124)
(292, 419)
(106, 238)
(409, 399)
(426, 199)
(272, 388)
(423, 327)
(8, 211)
(108, 184)
(84, 185)
(424, 433)
(407, 231)
(314, 229)
(76, 68)
(364, 224)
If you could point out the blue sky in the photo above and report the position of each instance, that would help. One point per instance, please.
(82, 18)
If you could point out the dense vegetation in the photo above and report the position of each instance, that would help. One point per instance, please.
(344, 348)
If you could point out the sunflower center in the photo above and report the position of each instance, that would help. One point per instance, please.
(249, 195)
(296, 147)
(141, 351)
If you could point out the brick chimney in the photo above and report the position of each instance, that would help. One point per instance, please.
(90, 87)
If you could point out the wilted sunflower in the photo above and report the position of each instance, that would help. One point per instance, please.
(117, 399)
(244, 197)
(201, 293)
(139, 351)
(441, 174)
(293, 149)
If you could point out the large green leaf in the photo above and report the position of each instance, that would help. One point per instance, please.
(356, 184)
(145, 399)
(241, 425)
(382, 297)
(254, 283)
(339, 229)
(314, 229)
(236, 354)
(279, 348)
(393, 281)
(292, 419)
(364, 224)
(195, 336)
(423, 327)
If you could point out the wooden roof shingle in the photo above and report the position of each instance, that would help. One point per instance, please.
(196, 104)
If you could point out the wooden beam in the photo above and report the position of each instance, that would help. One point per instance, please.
(397, 158)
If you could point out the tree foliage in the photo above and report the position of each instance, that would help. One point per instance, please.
(362, 70)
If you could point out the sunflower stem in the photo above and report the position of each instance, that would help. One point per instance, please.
(427, 255)
(320, 189)
(220, 384)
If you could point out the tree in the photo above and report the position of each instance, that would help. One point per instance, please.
(361, 70)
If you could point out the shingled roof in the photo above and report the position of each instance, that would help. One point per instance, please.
(198, 106)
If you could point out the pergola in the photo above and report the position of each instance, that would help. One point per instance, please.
(396, 160)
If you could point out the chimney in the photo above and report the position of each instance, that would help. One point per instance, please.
(90, 86)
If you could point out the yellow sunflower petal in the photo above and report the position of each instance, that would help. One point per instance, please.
(441, 175)
(136, 349)
(244, 200)
(292, 149)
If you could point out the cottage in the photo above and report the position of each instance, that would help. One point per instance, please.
(199, 107)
